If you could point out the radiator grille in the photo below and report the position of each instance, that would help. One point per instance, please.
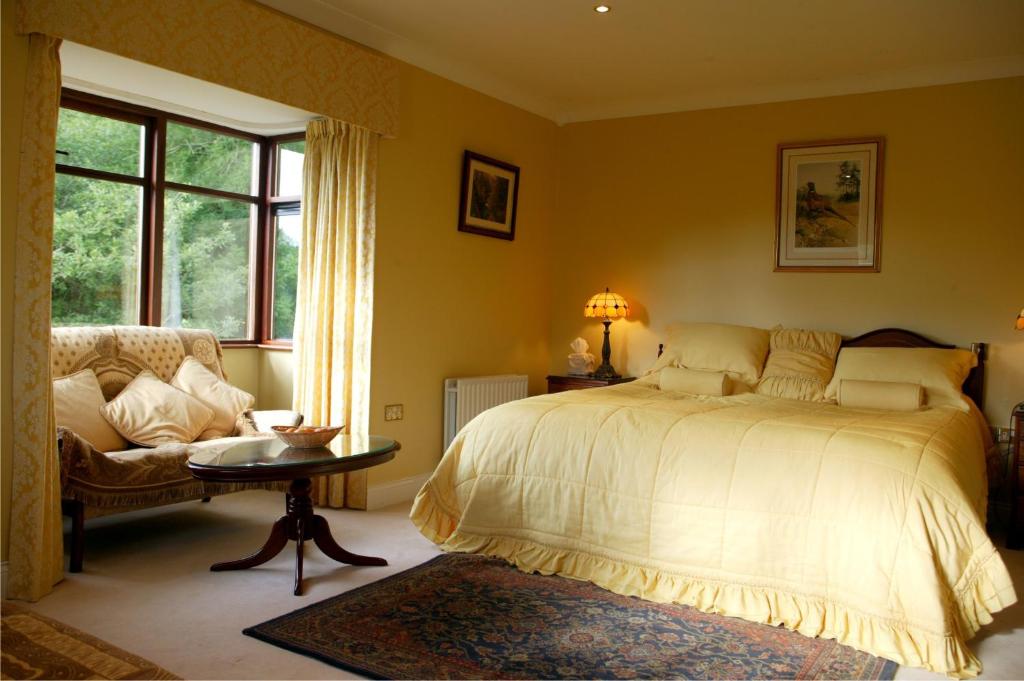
(464, 398)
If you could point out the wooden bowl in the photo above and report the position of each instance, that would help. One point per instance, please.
(307, 437)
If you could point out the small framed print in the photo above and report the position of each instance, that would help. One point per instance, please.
(829, 206)
(490, 191)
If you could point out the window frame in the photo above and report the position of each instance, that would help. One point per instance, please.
(154, 188)
(273, 203)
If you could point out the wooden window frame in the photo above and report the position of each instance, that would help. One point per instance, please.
(155, 186)
(270, 240)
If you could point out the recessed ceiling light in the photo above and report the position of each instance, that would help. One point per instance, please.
(602, 9)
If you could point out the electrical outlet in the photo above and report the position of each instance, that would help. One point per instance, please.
(392, 412)
(1002, 434)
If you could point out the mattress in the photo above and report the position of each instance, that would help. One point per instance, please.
(862, 525)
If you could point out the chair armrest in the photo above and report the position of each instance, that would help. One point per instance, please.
(259, 421)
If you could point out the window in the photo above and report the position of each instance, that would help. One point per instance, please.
(165, 220)
(98, 219)
(287, 228)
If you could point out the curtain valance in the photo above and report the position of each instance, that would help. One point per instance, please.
(237, 44)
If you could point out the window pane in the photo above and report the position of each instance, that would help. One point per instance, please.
(289, 168)
(204, 158)
(207, 258)
(96, 231)
(287, 230)
(89, 141)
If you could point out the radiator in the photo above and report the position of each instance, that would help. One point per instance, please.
(464, 398)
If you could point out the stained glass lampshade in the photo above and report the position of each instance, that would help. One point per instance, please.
(1020, 321)
(606, 305)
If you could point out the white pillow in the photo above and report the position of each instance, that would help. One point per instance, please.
(149, 412)
(739, 351)
(939, 371)
(226, 401)
(77, 399)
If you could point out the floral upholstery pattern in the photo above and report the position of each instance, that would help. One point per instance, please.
(117, 354)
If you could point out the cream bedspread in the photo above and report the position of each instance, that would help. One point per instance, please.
(861, 525)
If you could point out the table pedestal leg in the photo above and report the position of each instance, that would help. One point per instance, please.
(299, 524)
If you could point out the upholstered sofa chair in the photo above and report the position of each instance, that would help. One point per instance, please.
(96, 483)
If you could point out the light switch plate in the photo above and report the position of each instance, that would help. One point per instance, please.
(392, 412)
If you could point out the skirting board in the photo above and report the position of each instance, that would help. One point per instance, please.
(395, 492)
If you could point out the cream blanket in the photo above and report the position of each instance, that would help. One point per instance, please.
(865, 526)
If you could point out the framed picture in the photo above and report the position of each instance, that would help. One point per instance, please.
(490, 191)
(829, 206)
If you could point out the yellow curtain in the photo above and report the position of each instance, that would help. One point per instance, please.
(36, 542)
(334, 308)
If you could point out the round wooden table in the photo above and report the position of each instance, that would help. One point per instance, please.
(269, 460)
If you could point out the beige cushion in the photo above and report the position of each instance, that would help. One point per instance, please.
(737, 350)
(149, 412)
(880, 395)
(800, 364)
(695, 382)
(940, 372)
(77, 400)
(226, 401)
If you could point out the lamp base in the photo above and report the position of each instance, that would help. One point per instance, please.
(606, 371)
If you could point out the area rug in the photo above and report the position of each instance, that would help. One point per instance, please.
(463, 616)
(37, 647)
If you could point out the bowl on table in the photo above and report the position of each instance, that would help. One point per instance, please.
(306, 437)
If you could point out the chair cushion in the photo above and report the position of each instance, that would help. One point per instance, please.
(77, 400)
(149, 412)
(226, 401)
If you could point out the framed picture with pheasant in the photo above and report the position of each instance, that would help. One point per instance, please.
(829, 206)
(490, 192)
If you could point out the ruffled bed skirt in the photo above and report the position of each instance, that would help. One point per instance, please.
(985, 592)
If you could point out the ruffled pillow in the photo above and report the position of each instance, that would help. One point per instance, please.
(800, 364)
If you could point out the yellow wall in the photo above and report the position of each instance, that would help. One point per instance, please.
(14, 56)
(676, 212)
(447, 303)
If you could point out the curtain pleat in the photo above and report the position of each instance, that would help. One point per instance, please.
(36, 541)
(334, 303)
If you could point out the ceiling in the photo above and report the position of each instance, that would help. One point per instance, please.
(564, 61)
(108, 75)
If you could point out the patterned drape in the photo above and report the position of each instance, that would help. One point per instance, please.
(334, 309)
(36, 542)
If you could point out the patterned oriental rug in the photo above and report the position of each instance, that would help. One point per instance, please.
(463, 616)
(37, 647)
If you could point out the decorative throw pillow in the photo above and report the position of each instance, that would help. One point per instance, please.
(149, 412)
(880, 395)
(800, 364)
(77, 400)
(939, 371)
(226, 401)
(737, 350)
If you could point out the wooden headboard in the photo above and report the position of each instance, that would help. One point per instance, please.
(974, 386)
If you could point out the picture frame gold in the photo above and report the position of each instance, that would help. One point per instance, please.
(489, 196)
(828, 205)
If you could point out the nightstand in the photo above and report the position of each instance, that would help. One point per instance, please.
(557, 384)
(1015, 531)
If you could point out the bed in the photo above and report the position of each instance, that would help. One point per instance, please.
(862, 525)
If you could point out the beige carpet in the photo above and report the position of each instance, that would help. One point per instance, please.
(147, 588)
